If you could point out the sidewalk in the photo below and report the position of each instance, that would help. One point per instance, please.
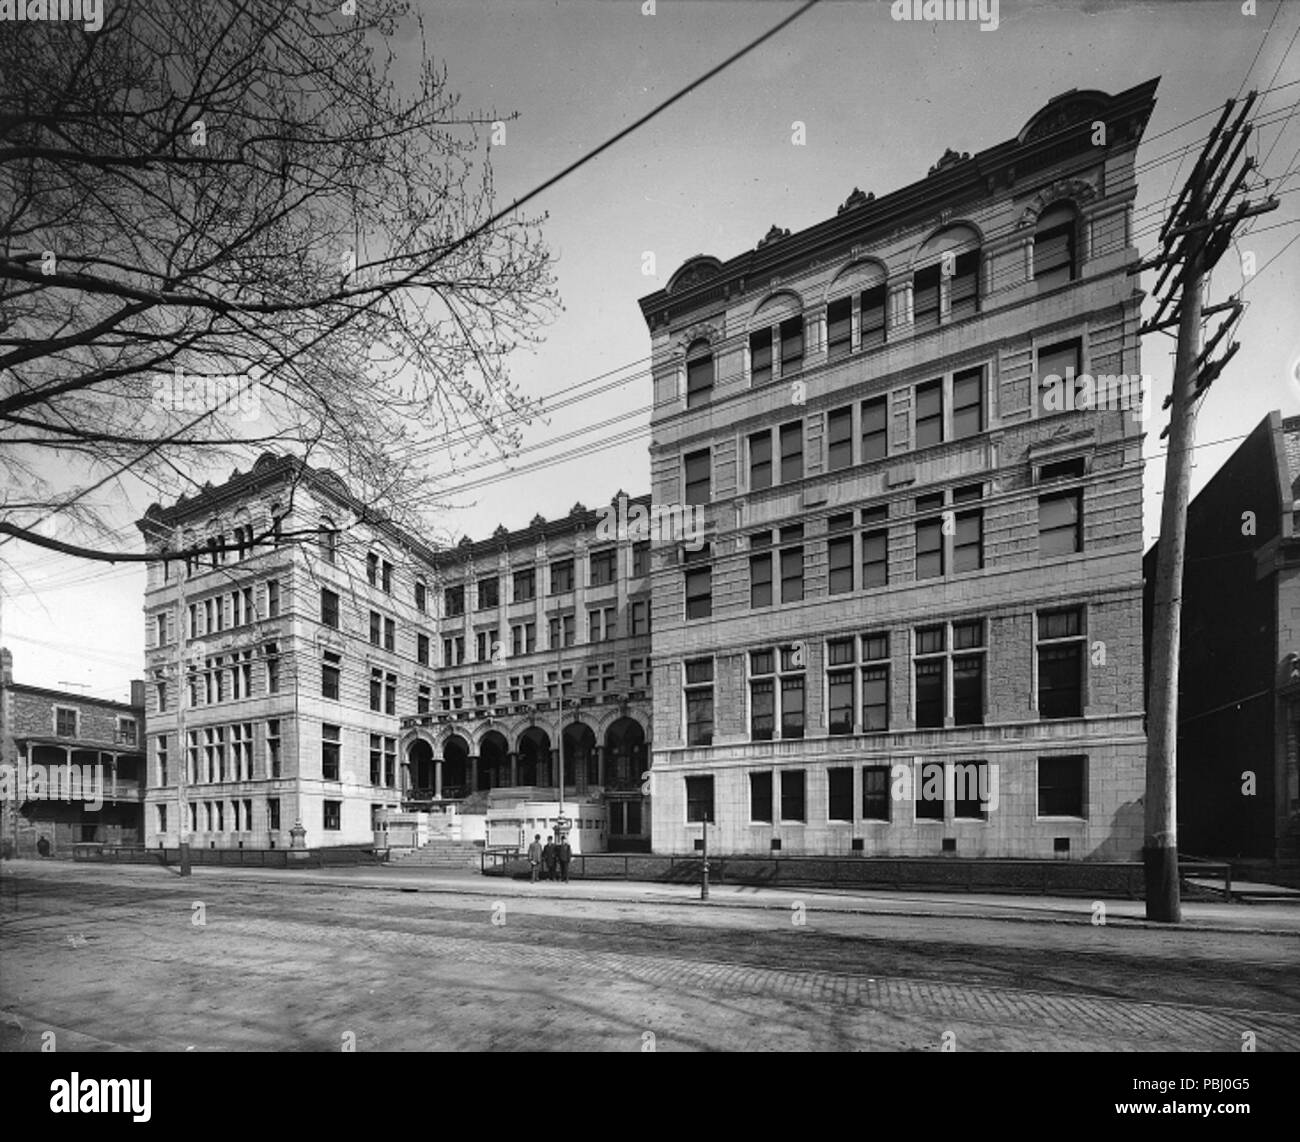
(1263, 919)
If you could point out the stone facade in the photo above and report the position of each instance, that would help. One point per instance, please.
(915, 551)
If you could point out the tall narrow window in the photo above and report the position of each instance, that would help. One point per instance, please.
(1059, 369)
(791, 344)
(1060, 518)
(760, 580)
(760, 461)
(699, 374)
(963, 290)
(791, 452)
(929, 414)
(839, 439)
(873, 317)
(925, 298)
(875, 430)
(967, 403)
(329, 609)
(330, 738)
(699, 702)
(760, 356)
(762, 695)
(1054, 262)
(1060, 663)
(696, 465)
(839, 328)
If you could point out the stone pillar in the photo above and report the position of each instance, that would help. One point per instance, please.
(900, 303)
(473, 774)
(437, 779)
(600, 765)
(514, 767)
(855, 322)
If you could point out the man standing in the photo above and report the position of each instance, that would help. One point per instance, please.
(564, 854)
(535, 855)
(548, 858)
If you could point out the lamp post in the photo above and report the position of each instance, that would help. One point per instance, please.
(704, 865)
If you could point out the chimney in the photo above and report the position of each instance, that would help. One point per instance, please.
(137, 692)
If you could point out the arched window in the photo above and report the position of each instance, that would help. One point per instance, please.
(1054, 246)
(699, 374)
(328, 539)
(950, 264)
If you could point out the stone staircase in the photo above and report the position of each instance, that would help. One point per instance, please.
(442, 852)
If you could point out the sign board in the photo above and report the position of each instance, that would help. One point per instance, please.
(563, 823)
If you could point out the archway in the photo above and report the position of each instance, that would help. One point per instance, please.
(624, 754)
(534, 757)
(455, 768)
(420, 770)
(580, 764)
(493, 761)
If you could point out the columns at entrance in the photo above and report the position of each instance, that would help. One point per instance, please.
(514, 768)
(473, 774)
(437, 779)
(600, 765)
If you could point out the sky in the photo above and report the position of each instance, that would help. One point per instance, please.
(880, 100)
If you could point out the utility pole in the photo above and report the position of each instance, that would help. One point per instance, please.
(1194, 237)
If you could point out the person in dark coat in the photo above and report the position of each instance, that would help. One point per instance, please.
(564, 854)
(548, 858)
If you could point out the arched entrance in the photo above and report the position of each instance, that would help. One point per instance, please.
(420, 770)
(455, 768)
(624, 754)
(534, 757)
(493, 761)
(580, 765)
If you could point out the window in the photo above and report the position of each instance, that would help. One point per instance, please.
(1061, 784)
(372, 568)
(839, 551)
(600, 677)
(161, 630)
(332, 816)
(1059, 369)
(772, 673)
(561, 576)
(964, 288)
(928, 794)
(699, 701)
(791, 344)
(423, 698)
(967, 403)
(760, 796)
(640, 618)
(875, 548)
(925, 298)
(699, 593)
(523, 638)
(1060, 663)
(488, 592)
(1074, 468)
(793, 801)
(562, 631)
(273, 600)
(1060, 518)
(390, 634)
(760, 580)
(525, 585)
(126, 730)
(376, 759)
(791, 574)
(699, 374)
(929, 541)
(453, 599)
(241, 750)
(640, 559)
(330, 673)
(839, 328)
(1054, 246)
(241, 675)
(929, 414)
(873, 317)
(273, 813)
(421, 597)
(792, 452)
(639, 673)
(839, 686)
(559, 682)
(602, 624)
(160, 756)
(760, 461)
(968, 673)
(422, 649)
(875, 792)
(376, 628)
(699, 799)
(840, 793)
(386, 577)
(329, 608)
(875, 683)
(970, 784)
(762, 695)
(760, 356)
(839, 439)
(330, 738)
(968, 534)
(931, 670)
(603, 566)
(696, 466)
(273, 747)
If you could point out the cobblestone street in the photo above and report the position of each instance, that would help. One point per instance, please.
(135, 958)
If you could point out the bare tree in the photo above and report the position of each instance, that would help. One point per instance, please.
(229, 226)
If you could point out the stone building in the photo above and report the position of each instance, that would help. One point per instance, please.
(1239, 659)
(915, 625)
(71, 768)
(544, 658)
